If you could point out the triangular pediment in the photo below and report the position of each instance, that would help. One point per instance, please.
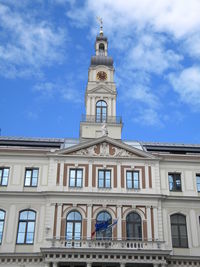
(101, 89)
(105, 147)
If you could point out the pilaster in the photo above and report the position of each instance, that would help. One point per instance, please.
(119, 223)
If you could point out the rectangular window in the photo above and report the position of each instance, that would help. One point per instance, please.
(31, 177)
(4, 173)
(174, 181)
(75, 177)
(198, 182)
(132, 179)
(104, 179)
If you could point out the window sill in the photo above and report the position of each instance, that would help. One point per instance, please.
(3, 187)
(134, 189)
(104, 188)
(27, 248)
(75, 188)
(30, 188)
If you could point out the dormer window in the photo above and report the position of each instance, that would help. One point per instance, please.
(101, 49)
(101, 111)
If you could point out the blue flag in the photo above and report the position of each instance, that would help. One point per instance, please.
(102, 226)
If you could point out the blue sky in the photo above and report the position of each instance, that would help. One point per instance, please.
(45, 51)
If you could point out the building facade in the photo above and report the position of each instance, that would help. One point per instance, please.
(54, 191)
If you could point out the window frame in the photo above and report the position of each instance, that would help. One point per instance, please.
(132, 179)
(107, 231)
(31, 178)
(2, 175)
(134, 224)
(100, 118)
(74, 222)
(76, 170)
(26, 221)
(198, 183)
(2, 220)
(104, 178)
(179, 231)
(101, 49)
(174, 185)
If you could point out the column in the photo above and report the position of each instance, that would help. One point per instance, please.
(155, 215)
(90, 175)
(119, 177)
(58, 226)
(194, 229)
(93, 106)
(88, 106)
(46, 264)
(146, 176)
(61, 173)
(114, 106)
(89, 264)
(55, 264)
(149, 235)
(109, 108)
(155, 265)
(119, 223)
(122, 264)
(89, 221)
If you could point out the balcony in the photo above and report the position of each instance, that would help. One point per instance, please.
(94, 119)
(108, 244)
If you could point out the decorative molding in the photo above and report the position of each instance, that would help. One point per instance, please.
(104, 150)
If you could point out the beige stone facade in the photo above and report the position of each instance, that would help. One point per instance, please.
(50, 179)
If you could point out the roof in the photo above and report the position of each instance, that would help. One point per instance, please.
(153, 147)
(37, 142)
(101, 60)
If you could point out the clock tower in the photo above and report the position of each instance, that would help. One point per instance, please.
(100, 96)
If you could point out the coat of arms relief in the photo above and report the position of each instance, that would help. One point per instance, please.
(104, 150)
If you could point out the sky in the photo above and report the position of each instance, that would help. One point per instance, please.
(46, 48)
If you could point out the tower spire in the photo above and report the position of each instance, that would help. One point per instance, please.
(101, 25)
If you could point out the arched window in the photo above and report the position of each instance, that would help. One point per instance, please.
(103, 217)
(73, 226)
(101, 49)
(26, 227)
(133, 226)
(101, 111)
(2, 219)
(179, 231)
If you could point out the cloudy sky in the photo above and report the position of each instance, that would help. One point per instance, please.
(45, 51)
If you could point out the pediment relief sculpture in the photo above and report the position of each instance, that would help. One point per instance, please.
(104, 150)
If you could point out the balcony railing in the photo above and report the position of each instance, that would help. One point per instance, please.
(108, 244)
(108, 119)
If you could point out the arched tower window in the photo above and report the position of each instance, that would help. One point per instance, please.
(103, 217)
(133, 226)
(73, 226)
(2, 219)
(101, 49)
(101, 111)
(26, 227)
(179, 231)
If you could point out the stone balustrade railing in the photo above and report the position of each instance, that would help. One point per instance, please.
(108, 244)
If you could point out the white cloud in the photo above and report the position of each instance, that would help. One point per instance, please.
(148, 117)
(150, 55)
(178, 17)
(192, 45)
(141, 93)
(63, 90)
(187, 85)
(32, 44)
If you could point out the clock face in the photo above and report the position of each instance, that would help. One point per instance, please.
(101, 75)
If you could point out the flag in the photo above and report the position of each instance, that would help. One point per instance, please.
(102, 226)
